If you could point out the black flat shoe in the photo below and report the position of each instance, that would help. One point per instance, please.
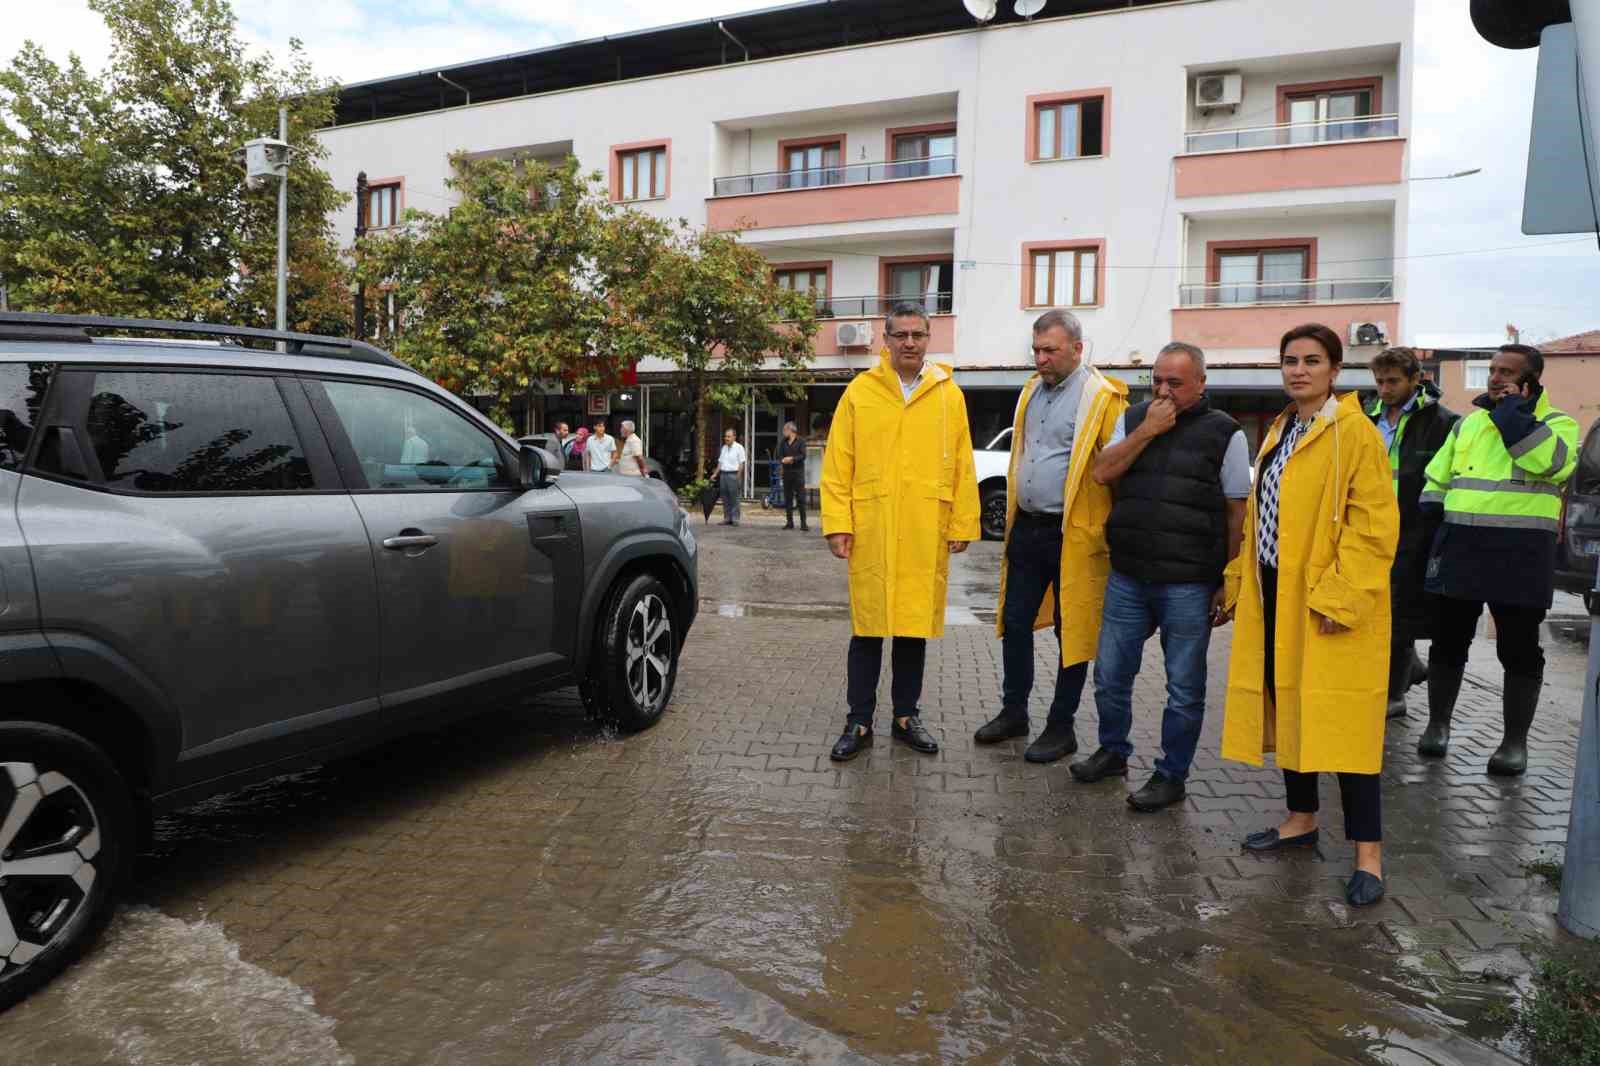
(1160, 791)
(1363, 890)
(914, 736)
(1099, 766)
(1002, 726)
(1269, 840)
(850, 745)
(1056, 742)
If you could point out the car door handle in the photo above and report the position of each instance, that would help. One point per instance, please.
(410, 538)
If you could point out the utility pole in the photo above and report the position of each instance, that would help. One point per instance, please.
(283, 226)
(362, 195)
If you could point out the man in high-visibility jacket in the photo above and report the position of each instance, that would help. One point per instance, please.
(1497, 480)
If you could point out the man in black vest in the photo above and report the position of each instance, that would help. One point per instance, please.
(1180, 473)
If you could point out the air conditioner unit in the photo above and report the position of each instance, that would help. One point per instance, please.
(853, 334)
(1368, 334)
(1218, 90)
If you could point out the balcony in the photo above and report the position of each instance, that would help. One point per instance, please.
(903, 188)
(941, 327)
(1312, 291)
(935, 303)
(1291, 155)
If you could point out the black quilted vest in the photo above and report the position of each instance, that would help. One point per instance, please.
(1169, 521)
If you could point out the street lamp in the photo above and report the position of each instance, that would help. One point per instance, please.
(265, 159)
(1447, 177)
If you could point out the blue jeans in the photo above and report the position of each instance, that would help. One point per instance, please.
(1134, 610)
(1033, 568)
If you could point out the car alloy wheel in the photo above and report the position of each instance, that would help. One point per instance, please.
(994, 514)
(635, 660)
(649, 653)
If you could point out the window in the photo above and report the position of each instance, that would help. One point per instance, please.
(1268, 274)
(383, 205)
(165, 432)
(803, 279)
(1069, 129)
(407, 441)
(926, 282)
(1064, 277)
(1325, 111)
(1477, 373)
(642, 174)
(809, 165)
(921, 153)
(22, 387)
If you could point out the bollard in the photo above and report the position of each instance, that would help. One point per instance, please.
(1580, 874)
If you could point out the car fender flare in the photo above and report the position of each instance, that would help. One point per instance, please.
(622, 552)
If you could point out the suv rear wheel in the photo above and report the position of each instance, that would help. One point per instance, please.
(66, 837)
(636, 662)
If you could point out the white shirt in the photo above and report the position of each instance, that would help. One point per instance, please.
(732, 458)
(906, 390)
(632, 461)
(598, 452)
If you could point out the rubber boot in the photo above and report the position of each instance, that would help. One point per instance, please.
(1521, 699)
(1444, 684)
(1399, 679)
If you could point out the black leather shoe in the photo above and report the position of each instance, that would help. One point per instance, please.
(914, 736)
(1101, 764)
(804, 528)
(1002, 726)
(1269, 840)
(1160, 791)
(1363, 890)
(850, 745)
(788, 525)
(1397, 707)
(1056, 742)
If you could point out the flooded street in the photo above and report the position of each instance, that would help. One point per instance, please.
(527, 888)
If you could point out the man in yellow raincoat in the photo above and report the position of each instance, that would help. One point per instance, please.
(1056, 559)
(899, 494)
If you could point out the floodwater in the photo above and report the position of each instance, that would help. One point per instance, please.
(528, 889)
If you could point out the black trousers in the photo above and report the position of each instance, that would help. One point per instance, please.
(863, 664)
(794, 493)
(1516, 634)
(1033, 567)
(1360, 793)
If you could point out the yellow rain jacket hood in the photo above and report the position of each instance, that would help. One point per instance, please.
(1337, 530)
(1086, 504)
(899, 476)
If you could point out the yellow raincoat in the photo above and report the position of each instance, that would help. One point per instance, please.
(1086, 504)
(1337, 530)
(899, 476)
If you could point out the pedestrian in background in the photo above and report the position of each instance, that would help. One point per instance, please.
(630, 457)
(1056, 560)
(580, 443)
(1413, 425)
(730, 476)
(563, 441)
(1180, 476)
(601, 452)
(899, 495)
(1496, 486)
(1308, 678)
(792, 458)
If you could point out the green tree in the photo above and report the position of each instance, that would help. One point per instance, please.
(120, 193)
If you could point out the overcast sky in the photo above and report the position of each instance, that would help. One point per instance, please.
(1471, 108)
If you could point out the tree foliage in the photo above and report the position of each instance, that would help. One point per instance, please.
(120, 193)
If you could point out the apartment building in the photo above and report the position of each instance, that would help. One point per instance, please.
(1210, 170)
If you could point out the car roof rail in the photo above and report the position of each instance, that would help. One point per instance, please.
(37, 326)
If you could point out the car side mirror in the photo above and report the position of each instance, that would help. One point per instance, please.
(538, 467)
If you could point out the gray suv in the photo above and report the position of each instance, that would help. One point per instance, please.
(220, 562)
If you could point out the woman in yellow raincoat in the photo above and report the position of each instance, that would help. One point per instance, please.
(1308, 678)
(899, 494)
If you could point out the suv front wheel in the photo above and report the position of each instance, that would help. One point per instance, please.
(636, 660)
(66, 837)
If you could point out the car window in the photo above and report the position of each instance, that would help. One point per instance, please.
(1587, 480)
(22, 388)
(155, 431)
(404, 440)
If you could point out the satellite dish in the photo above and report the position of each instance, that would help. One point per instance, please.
(1028, 8)
(982, 10)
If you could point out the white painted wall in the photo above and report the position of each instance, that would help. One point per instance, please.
(1125, 198)
(1258, 104)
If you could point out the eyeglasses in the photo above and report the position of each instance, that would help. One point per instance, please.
(901, 334)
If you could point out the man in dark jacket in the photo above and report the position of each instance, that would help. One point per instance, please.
(792, 457)
(1414, 425)
(1180, 473)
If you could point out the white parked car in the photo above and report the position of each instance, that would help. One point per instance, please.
(992, 464)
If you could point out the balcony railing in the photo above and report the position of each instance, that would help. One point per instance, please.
(1290, 134)
(1311, 291)
(824, 177)
(935, 303)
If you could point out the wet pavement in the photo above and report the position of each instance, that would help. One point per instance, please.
(527, 888)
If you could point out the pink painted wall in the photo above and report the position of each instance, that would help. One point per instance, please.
(839, 203)
(941, 339)
(1308, 166)
(1263, 327)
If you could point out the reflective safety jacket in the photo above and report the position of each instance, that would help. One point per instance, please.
(1498, 478)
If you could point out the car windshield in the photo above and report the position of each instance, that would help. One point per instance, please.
(1586, 482)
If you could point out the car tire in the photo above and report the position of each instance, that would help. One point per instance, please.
(993, 512)
(67, 836)
(636, 661)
